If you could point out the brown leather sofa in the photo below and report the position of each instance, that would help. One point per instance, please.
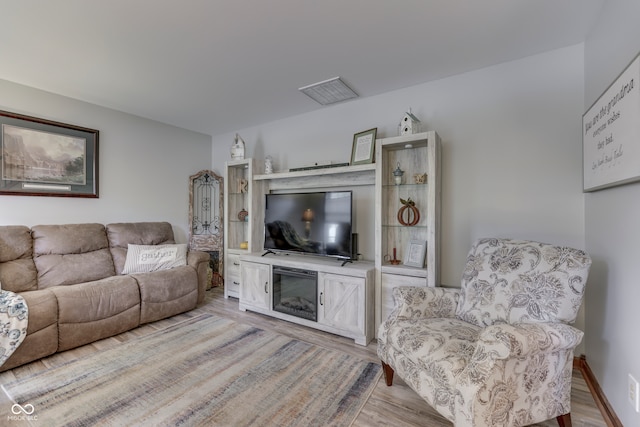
(70, 277)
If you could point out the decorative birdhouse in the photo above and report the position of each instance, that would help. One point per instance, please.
(237, 149)
(409, 124)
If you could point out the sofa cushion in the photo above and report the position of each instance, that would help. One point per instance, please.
(17, 270)
(513, 281)
(42, 329)
(95, 310)
(167, 293)
(71, 254)
(120, 235)
(148, 258)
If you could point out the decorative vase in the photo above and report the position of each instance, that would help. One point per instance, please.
(268, 165)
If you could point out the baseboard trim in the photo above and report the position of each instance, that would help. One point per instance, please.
(605, 408)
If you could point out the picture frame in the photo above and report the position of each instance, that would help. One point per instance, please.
(364, 147)
(414, 255)
(40, 157)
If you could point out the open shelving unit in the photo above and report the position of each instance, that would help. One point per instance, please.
(415, 154)
(241, 234)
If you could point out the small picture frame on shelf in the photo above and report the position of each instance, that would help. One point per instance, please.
(415, 254)
(364, 147)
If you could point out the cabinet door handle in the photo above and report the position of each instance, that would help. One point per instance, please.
(266, 285)
(236, 283)
(321, 295)
(236, 263)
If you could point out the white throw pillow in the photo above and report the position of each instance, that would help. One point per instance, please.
(147, 258)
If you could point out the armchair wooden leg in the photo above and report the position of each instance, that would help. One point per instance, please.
(388, 375)
(564, 420)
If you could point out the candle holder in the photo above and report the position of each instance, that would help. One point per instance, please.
(394, 260)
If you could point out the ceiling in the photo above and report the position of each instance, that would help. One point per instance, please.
(217, 66)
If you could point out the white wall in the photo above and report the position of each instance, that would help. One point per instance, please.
(612, 228)
(143, 172)
(511, 149)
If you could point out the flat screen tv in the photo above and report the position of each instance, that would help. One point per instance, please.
(317, 223)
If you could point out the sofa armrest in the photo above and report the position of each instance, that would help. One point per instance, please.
(505, 341)
(200, 261)
(194, 258)
(422, 302)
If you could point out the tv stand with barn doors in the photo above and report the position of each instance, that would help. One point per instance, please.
(341, 300)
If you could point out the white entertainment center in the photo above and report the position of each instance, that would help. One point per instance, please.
(351, 298)
(345, 294)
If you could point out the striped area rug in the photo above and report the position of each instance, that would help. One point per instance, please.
(205, 371)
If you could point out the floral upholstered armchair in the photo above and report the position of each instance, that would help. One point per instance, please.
(499, 350)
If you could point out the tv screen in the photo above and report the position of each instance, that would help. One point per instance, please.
(316, 223)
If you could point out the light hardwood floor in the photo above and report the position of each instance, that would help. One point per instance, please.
(397, 405)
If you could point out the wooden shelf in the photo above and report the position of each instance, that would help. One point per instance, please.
(404, 270)
(318, 178)
(318, 172)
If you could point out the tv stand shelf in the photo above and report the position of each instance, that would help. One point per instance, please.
(345, 292)
(316, 172)
(323, 177)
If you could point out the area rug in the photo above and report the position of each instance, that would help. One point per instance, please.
(204, 371)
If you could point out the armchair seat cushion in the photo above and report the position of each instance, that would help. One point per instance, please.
(429, 354)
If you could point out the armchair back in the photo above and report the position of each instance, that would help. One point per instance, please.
(513, 281)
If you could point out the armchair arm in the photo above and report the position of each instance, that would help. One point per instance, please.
(523, 362)
(423, 302)
(504, 341)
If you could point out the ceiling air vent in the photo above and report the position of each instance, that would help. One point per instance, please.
(329, 91)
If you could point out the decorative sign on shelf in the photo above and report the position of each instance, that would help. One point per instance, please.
(611, 133)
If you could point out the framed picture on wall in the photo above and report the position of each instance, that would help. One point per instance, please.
(41, 157)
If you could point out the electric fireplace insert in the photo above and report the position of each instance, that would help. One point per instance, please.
(295, 292)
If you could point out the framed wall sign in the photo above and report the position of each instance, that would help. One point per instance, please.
(44, 158)
(611, 133)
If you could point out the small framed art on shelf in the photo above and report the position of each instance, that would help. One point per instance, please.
(364, 147)
(415, 253)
